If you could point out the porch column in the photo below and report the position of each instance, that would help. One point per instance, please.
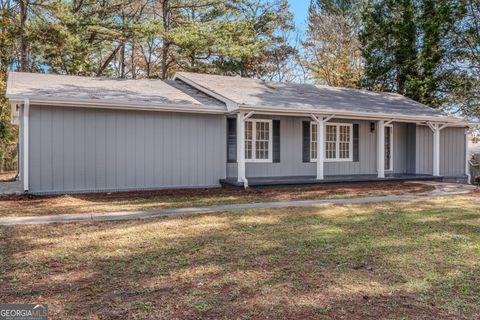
(320, 121)
(320, 148)
(436, 128)
(240, 147)
(381, 149)
(436, 151)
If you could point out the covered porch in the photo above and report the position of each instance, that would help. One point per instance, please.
(373, 149)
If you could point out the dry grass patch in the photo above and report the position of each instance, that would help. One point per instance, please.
(7, 176)
(409, 260)
(155, 200)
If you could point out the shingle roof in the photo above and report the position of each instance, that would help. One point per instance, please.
(298, 97)
(102, 90)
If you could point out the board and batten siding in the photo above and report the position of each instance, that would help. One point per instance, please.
(83, 149)
(291, 163)
(452, 151)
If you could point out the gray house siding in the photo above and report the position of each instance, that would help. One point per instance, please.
(452, 151)
(424, 150)
(81, 149)
(291, 153)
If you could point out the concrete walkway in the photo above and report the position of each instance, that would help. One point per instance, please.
(441, 189)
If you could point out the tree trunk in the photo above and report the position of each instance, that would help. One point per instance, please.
(166, 45)
(165, 51)
(132, 58)
(23, 4)
(122, 61)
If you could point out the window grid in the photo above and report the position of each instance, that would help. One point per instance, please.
(338, 142)
(258, 140)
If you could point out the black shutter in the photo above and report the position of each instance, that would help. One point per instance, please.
(231, 140)
(306, 141)
(276, 140)
(356, 144)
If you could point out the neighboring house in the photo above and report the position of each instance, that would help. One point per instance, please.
(82, 134)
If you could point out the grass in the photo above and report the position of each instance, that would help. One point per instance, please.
(409, 260)
(11, 206)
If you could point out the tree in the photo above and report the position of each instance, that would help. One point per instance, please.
(332, 50)
(406, 46)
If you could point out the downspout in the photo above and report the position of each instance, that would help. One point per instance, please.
(26, 118)
(467, 162)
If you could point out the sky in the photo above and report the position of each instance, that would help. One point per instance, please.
(300, 11)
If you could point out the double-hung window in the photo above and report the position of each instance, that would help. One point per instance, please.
(258, 140)
(338, 142)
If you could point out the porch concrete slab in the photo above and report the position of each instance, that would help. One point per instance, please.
(442, 189)
(331, 179)
(8, 188)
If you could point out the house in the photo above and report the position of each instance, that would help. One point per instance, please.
(81, 134)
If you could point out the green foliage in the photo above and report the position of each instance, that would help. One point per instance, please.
(407, 47)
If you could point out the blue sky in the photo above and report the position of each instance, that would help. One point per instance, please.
(300, 11)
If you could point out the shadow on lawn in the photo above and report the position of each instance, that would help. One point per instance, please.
(291, 263)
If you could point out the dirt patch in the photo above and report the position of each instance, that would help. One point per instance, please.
(8, 176)
(23, 205)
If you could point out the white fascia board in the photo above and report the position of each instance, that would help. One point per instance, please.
(119, 105)
(15, 113)
(352, 115)
(9, 83)
(231, 105)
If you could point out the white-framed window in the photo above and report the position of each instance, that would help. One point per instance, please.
(338, 142)
(258, 140)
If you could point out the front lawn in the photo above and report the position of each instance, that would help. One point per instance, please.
(11, 206)
(409, 260)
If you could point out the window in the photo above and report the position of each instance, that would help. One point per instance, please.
(258, 140)
(338, 142)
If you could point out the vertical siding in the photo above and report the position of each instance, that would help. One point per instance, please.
(400, 148)
(75, 149)
(452, 152)
(411, 148)
(424, 150)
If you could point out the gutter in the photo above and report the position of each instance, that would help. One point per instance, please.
(26, 120)
(118, 105)
(350, 115)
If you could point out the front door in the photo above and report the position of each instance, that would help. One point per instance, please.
(388, 148)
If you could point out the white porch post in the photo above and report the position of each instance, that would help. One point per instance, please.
(320, 121)
(436, 128)
(241, 148)
(320, 148)
(436, 151)
(25, 157)
(381, 149)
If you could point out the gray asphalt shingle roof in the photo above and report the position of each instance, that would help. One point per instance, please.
(141, 92)
(274, 95)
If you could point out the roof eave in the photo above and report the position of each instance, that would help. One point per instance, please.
(118, 105)
(364, 115)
